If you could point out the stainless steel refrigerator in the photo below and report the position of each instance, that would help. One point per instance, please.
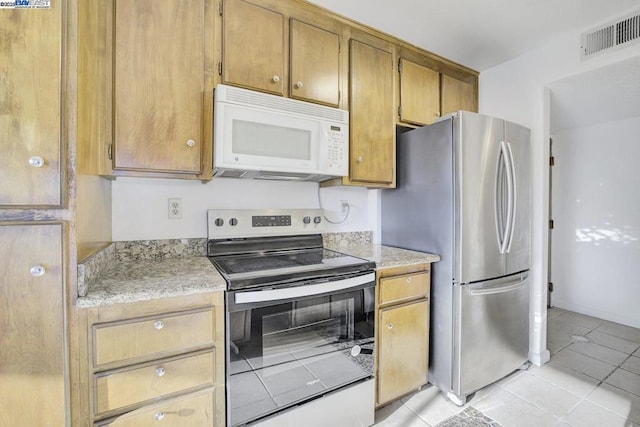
(463, 193)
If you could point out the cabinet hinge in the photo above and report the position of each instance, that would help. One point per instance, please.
(551, 224)
(552, 161)
(339, 95)
(220, 68)
(400, 111)
(220, 8)
(399, 65)
(550, 286)
(110, 151)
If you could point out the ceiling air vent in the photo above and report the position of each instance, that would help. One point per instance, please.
(612, 36)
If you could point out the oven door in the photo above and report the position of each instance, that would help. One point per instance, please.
(286, 346)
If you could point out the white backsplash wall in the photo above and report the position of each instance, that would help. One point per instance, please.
(140, 205)
(596, 212)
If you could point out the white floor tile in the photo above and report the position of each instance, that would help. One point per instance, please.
(431, 405)
(620, 331)
(588, 414)
(559, 326)
(632, 365)
(619, 401)
(512, 411)
(597, 351)
(583, 364)
(543, 394)
(613, 342)
(582, 320)
(625, 380)
(555, 312)
(398, 415)
(574, 382)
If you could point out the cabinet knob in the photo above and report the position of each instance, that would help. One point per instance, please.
(158, 324)
(37, 271)
(408, 279)
(360, 159)
(275, 78)
(191, 143)
(158, 416)
(36, 161)
(437, 113)
(390, 325)
(298, 85)
(160, 372)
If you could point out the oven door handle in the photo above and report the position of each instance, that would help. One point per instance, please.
(294, 292)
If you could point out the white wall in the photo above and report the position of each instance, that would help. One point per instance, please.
(596, 210)
(140, 206)
(517, 91)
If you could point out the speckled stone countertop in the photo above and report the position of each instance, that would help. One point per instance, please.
(385, 256)
(139, 280)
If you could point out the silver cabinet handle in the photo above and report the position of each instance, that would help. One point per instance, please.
(298, 85)
(158, 416)
(36, 161)
(158, 324)
(390, 325)
(37, 271)
(160, 372)
(275, 78)
(191, 143)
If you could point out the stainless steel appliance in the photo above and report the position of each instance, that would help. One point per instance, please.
(300, 320)
(263, 136)
(463, 193)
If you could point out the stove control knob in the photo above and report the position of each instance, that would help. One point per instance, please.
(317, 219)
(233, 222)
(219, 222)
(306, 219)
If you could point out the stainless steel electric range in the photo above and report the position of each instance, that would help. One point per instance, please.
(300, 320)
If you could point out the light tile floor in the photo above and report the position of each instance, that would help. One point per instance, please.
(593, 379)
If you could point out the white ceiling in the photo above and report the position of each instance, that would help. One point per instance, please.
(479, 33)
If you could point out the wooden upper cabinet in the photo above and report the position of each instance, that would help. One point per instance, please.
(30, 100)
(253, 47)
(372, 130)
(32, 337)
(159, 61)
(419, 93)
(457, 95)
(315, 64)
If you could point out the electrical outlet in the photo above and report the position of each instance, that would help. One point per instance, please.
(175, 208)
(345, 206)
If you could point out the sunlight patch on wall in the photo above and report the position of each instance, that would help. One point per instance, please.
(599, 235)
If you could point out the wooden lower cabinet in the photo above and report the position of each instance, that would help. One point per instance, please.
(157, 362)
(32, 327)
(402, 330)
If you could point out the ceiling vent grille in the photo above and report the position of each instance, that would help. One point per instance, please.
(612, 36)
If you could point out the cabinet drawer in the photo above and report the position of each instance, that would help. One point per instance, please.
(406, 287)
(194, 411)
(114, 342)
(125, 387)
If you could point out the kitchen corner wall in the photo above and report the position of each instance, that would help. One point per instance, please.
(140, 205)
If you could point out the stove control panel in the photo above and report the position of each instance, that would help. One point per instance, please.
(238, 223)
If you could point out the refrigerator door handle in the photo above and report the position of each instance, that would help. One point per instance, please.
(503, 228)
(513, 199)
(498, 290)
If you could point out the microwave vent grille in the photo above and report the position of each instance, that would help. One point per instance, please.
(273, 102)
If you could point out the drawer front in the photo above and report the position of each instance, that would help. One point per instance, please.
(125, 387)
(115, 342)
(404, 288)
(193, 411)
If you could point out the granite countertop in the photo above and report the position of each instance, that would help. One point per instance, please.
(139, 280)
(385, 256)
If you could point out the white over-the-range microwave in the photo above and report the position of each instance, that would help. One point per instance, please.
(262, 136)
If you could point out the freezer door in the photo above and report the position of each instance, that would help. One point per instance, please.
(477, 157)
(518, 242)
(491, 334)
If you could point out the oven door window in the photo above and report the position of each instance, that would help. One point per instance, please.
(287, 353)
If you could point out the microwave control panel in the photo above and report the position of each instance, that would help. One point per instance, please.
(337, 148)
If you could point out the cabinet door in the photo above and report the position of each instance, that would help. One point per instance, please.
(32, 365)
(457, 95)
(253, 47)
(403, 348)
(159, 85)
(30, 88)
(315, 64)
(419, 93)
(372, 143)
